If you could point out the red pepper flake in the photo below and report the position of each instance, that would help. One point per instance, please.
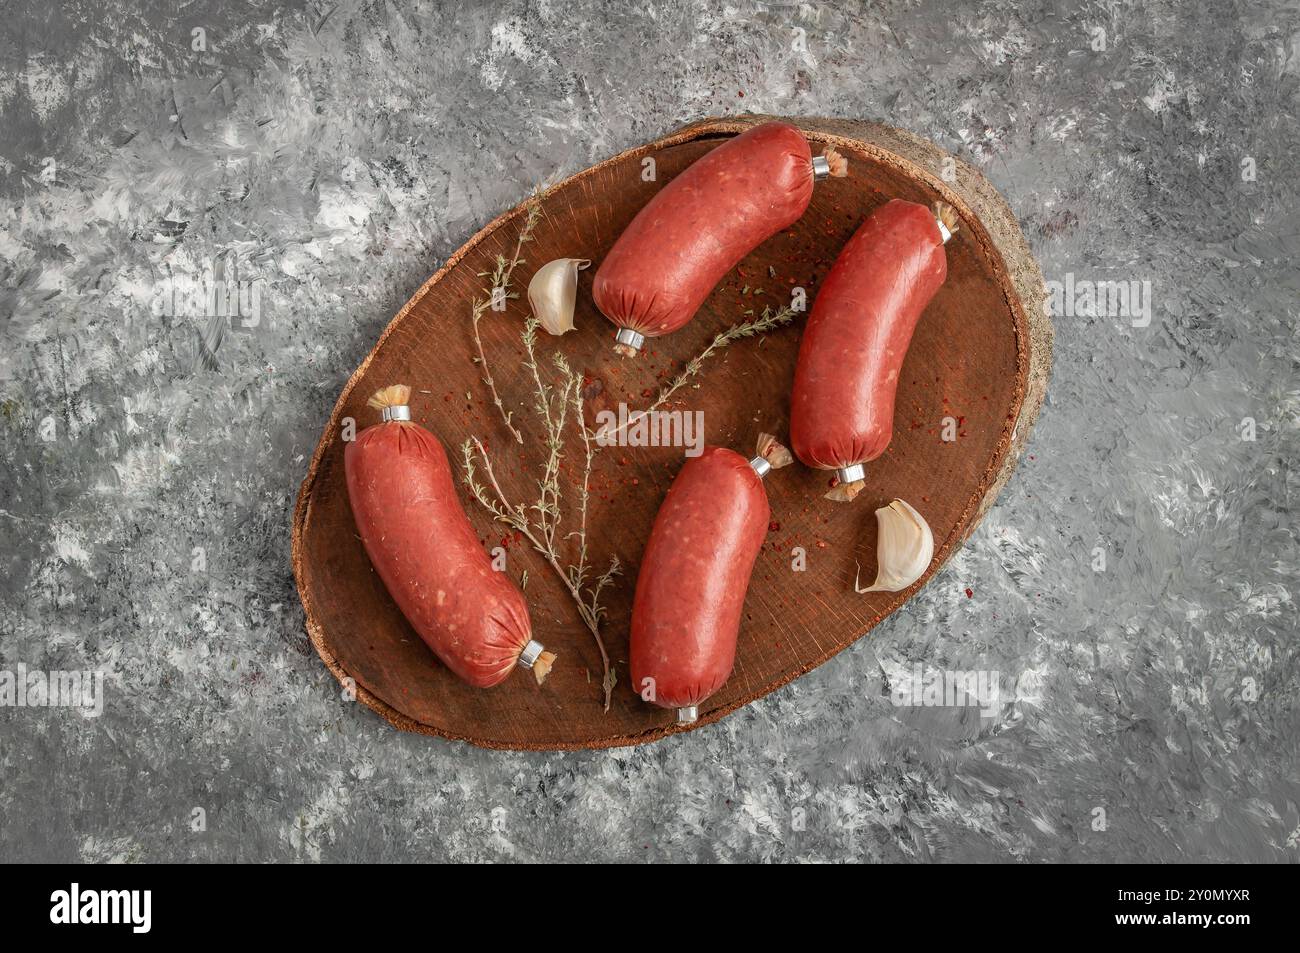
(970, 593)
(774, 526)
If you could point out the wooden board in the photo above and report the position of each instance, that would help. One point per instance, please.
(981, 354)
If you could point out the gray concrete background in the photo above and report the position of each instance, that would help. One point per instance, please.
(338, 153)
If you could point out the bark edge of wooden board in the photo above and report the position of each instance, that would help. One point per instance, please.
(982, 351)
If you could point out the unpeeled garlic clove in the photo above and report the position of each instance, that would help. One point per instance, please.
(904, 550)
(553, 292)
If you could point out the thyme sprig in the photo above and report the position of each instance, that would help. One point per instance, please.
(499, 291)
(769, 320)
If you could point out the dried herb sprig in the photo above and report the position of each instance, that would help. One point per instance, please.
(578, 571)
(573, 577)
(539, 522)
(769, 320)
(551, 407)
(499, 290)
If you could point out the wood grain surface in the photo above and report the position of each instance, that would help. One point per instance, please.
(981, 354)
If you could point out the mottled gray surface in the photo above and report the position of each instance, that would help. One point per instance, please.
(337, 154)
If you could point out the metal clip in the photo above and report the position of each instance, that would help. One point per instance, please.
(395, 412)
(851, 474)
(630, 338)
(531, 653)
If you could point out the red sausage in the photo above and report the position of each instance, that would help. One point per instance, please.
(700, 225)
(852, 350)
(694, 573)
(424, 549)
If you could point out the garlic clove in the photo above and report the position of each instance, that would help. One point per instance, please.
(904, 551)
(553, 292)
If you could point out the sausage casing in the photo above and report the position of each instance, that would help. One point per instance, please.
(853, 345)
(426, 552)
(690, 590)
(700, 225)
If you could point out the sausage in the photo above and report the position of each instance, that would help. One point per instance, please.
(427, 553)
(852, 349)
(691, 586)
(701, 224)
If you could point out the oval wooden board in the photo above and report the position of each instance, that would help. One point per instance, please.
(981, 354)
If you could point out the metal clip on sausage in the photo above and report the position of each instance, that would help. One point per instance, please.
(770, 455)
(627, 342)
(829, 163)
(851, 474)
(531, 653)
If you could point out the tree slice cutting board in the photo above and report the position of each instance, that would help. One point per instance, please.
(980, 355)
